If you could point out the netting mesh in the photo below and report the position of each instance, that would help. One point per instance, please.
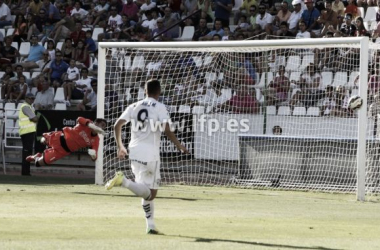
(251, 116)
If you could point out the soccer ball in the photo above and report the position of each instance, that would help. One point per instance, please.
(355, 102)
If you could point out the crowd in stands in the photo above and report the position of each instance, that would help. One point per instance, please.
(56, 42)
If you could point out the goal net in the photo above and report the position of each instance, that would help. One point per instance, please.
(270, 114)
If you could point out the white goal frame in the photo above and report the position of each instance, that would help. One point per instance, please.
(358, 42)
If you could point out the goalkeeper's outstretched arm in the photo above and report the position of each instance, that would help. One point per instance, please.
(174, 139)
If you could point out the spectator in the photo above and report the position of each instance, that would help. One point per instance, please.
(57, 68)
(227, 33)
(63, 28)
(223, 10)
(169, 20)
(34, 7)
(111, 99)
(352, 9)
(216, 37)
(218, 30)
(89, 101)
(45, 97)
(347, 28)
(47, 30)
(114, 22)
(361, 30)
(147, 6)
(166, 36)
(341, 99)
(20, 33)
(90, 43)
(374, 84)
(283, 14)
(8, 53)
(44, 68)
(78, 34)
(76, 90)
(326, 58)
(72, 73)
(130, 9)
(202, 30)
(243, 24)
(68, 50)
(278, 88)
(277, 130)
(284, 32)
(17, 89)
(51, 11)
(100, 12)
(219, 100)
(311, 89)
(35, 24)
(252, 15)
(188, 7)
(150, 23)
(207, 13)
(327, 18)
(302, 33)
(244, 102)
(338, 7)
(35, 54)
(264, 20)
(20, 7)
(8, 74)
(69, 7)
(329, 102)
(78, 13)
(82, 57)
(5, 15)
(295, 16)
(269, 6)
(320, 5)
(51, 49)
(244, 9)
(310, 17)
(126, 29)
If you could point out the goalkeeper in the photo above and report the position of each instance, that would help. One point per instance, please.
(70, 139)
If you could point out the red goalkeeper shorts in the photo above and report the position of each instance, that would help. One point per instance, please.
(55, 150)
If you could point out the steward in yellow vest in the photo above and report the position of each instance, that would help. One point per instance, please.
(27, 123)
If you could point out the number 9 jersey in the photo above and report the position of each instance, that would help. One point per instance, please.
(148, 119)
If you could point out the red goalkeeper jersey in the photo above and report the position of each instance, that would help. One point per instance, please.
(80, 136)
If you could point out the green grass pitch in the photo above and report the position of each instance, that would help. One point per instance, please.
(64, 213)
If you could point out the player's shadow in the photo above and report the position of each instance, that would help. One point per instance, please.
(208, 240)
(134, 196)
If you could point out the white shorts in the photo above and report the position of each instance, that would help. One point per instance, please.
(147, 173)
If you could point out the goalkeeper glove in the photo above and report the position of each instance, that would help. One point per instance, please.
(92, 153)
(96, 128)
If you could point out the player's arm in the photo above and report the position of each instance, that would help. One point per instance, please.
(93, 151)
(174, 139)
(121, 150)
(87, 122)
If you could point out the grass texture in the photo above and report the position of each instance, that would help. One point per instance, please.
(64, 213)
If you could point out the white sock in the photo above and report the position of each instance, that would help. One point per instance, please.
(148, 207)
(139, 189)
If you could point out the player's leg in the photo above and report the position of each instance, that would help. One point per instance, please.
(150, 176)
(139, 189)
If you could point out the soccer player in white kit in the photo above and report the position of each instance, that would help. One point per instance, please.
(148, 118)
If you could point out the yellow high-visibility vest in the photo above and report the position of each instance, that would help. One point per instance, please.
(26, 125)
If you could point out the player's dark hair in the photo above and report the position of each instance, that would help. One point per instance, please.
(97, 120)
(153, 87)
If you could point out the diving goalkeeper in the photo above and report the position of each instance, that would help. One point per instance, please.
(70, 139)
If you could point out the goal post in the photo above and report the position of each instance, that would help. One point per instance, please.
(192, 72)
